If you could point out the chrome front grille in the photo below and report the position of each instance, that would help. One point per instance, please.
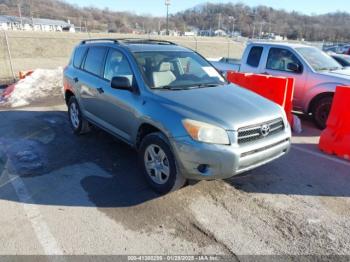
(263, 130)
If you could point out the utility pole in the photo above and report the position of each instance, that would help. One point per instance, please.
(260, 32)
(219, 23)
(253, 15)
(20, 13)
(167, 3)
(253, 30)
(232, 19)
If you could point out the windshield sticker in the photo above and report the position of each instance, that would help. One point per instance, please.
(211, 71)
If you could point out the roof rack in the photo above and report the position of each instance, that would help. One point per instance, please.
(100, 40)
(130, 40)
(146, 40)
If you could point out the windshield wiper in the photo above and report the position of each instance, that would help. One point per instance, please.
(336, 68)
(328, 68)
(188, 87)
(172, 88)
(208, 85)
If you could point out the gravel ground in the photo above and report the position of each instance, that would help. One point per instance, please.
(61, 194)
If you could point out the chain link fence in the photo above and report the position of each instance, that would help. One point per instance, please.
(20, 51)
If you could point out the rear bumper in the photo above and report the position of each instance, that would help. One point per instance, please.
(202, 161)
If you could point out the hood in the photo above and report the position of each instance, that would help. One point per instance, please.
(224, 67)
(229, 106)
(341, 74)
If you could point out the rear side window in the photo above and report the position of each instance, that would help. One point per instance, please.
(94, 60)
(254, 56)
(79, 56)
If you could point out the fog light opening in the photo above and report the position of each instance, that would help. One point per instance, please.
(203, 168)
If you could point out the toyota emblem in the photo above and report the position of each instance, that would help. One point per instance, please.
(265, 130)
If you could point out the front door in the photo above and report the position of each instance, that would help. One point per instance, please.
(120, 107)
(282, 62)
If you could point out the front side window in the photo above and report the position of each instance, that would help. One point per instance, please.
(117, 65)
(94, 60)
(281, 59)
(176, 70)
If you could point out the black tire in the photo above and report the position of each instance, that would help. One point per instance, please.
(80, 126)
(175, 180)
(321, 110)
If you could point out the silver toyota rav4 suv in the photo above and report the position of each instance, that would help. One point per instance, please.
(174, 108)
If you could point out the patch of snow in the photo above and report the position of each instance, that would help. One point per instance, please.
(41, 84)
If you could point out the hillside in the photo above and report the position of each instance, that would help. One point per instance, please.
(247, 20)
(332, 26)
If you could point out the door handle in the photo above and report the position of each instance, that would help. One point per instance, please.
(100, 90)
(76, 79)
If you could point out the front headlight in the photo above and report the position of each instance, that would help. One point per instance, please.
(206, 133)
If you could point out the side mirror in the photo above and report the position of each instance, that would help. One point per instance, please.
(122, 83)
(294, 67)
(224, 74)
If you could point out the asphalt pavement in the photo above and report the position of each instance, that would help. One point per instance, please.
(62, 194)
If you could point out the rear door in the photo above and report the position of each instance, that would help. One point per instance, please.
(91, 82)
(72, 72)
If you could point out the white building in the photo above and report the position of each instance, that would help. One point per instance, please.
(190, 33)
(171, 33)
(49, 25)
(220, 32)
(3, 23)
(35, 24)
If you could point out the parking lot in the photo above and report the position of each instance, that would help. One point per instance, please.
(62, 194)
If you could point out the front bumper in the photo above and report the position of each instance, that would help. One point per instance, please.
(203, 161)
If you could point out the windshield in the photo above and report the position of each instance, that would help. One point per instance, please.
(318, 59)
(177, 70)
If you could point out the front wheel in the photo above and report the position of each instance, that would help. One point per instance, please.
(159, 165)
(321, 111)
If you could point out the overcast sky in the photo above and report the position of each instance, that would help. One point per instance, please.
(157, 7)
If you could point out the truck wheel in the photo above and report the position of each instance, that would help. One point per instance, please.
(321, 111)
(159, 164)
(77, 122)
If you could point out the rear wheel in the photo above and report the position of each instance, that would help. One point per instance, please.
(159, 165)
(321, 111)
(76, 119)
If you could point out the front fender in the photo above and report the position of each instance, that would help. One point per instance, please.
(162, 117)
(317, 90)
